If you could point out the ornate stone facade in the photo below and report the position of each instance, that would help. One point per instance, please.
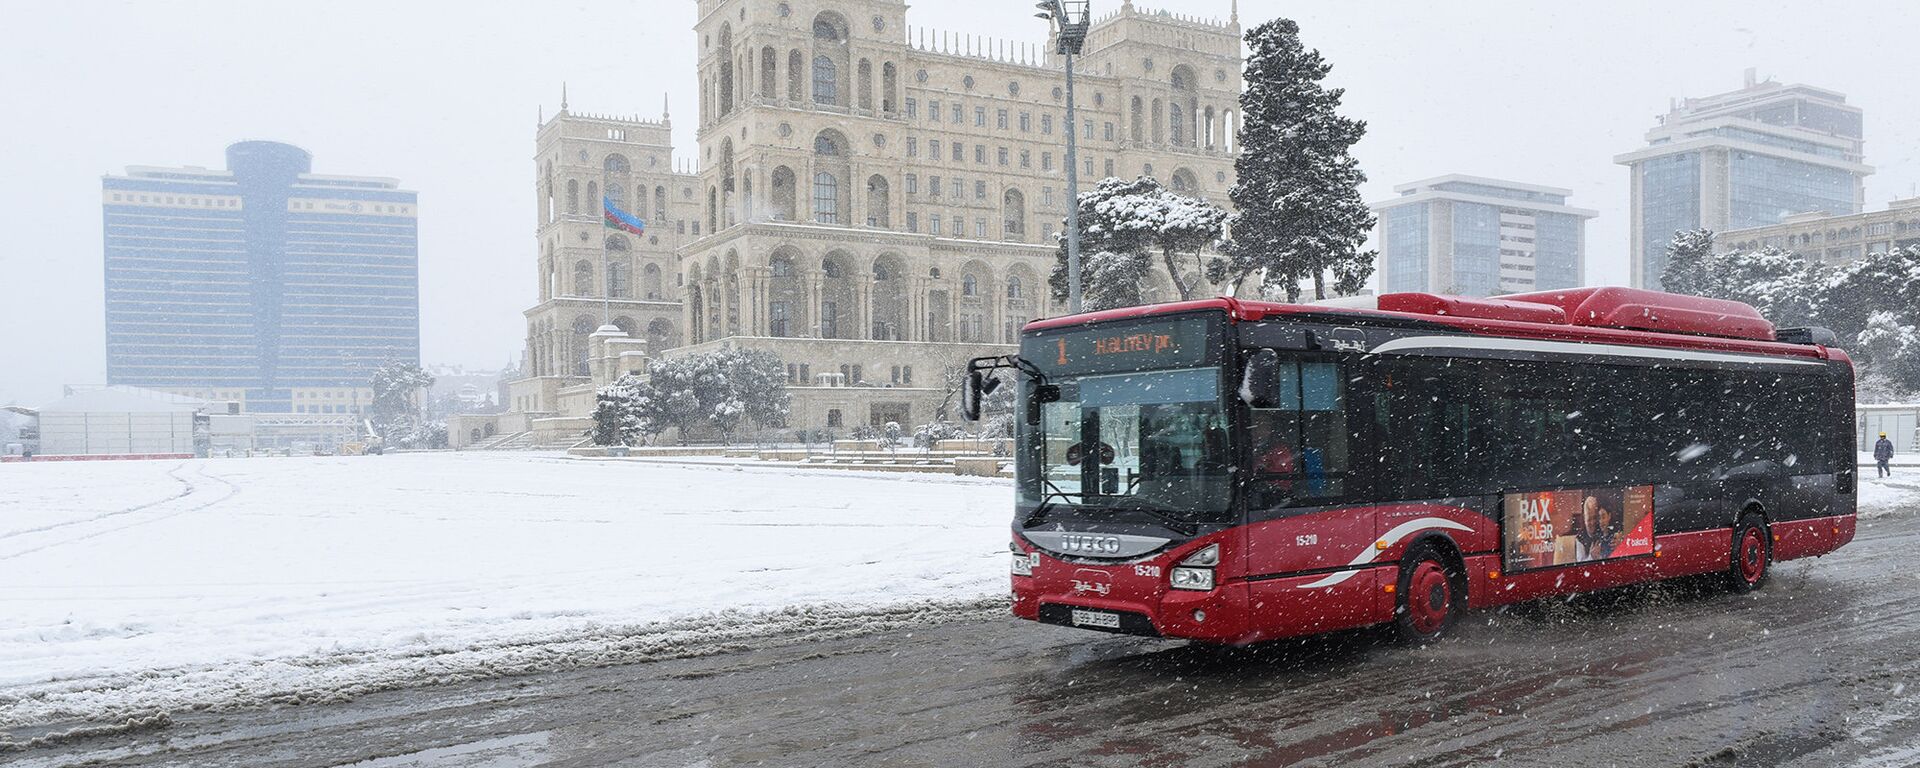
(873, 203)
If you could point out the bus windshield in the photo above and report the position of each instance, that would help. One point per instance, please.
(1119, 432)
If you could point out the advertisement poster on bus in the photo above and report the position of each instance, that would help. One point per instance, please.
(1548, 528)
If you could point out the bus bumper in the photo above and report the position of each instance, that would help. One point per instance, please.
(1237, 613)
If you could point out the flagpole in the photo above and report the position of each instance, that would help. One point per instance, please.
(606, 276)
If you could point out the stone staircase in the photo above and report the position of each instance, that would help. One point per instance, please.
(515, 441)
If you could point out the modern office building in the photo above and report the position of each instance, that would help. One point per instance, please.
(263, 284)
(1743, 159)
(1475, 236)
(1834, 239)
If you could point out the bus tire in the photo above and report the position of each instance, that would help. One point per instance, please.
(1751, 560)
(1430, 596)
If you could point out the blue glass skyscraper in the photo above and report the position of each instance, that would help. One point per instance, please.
(1475, 236)
(264, 283)
(1743, 159)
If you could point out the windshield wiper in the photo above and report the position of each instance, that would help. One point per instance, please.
(1046, 502)
(1141, 505)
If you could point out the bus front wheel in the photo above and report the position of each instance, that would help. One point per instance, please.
(1752, 556)
(1430, 596)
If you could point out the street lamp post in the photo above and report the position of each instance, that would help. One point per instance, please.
(1070, 36)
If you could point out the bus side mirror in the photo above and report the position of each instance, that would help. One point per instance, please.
(976, 388)
(1260, 384)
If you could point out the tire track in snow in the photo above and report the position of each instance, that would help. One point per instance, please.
(186, 488)
(193, 490)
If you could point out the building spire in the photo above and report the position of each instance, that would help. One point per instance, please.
(1234, 14)
(665, 113)
(563, 95)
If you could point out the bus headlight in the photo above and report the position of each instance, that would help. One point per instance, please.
(1023, 563)
(1198, 579)
(1206, 557)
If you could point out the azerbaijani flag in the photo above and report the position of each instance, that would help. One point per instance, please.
(621, 220)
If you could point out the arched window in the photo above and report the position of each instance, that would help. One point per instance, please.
(1013, 209)
(582, 348)
(795, 63)
(830, 268)
(583, 278)
(826, 28)
(660, 205)
(617, 164)
(782, 266)
(824, 144)
(617, 194)
(826, 88)
(826, 198)
(1013, 287)
(573, 195)
(619, 280)
(969, 285)
(768, 62)
(650, 282)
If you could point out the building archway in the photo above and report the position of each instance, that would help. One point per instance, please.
(889, 298)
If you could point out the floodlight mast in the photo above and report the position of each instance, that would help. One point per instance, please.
(1069, 20)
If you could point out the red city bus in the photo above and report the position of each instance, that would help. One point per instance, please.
(1235, 471)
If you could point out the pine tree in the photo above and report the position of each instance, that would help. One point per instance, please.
(395, 412)
(1298, 188)
(1687, 254)
(1123, 226)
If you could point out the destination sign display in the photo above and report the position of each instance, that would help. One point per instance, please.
(1170, 343)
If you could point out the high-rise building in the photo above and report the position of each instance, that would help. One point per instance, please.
(1743, 159)
(1474, 236)
(264, 284)
(873, 204)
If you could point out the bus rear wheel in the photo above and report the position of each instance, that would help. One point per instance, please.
(1430, 596)
(1752, 557)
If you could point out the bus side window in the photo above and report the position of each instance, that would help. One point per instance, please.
(1300, 447)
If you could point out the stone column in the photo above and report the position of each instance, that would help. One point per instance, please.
(863, 300)
(813, 302)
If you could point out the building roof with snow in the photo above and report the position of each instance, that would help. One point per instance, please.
(121, 399)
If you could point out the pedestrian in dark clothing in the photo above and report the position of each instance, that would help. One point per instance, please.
(1883, 454)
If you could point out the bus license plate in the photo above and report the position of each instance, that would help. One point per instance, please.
(1096, 619)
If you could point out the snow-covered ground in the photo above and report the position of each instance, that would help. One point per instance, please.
(131, 587)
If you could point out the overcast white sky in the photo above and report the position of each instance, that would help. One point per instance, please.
(443, 96)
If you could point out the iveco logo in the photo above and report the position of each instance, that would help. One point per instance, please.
(1096, 545)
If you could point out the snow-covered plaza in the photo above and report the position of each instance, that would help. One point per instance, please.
(128, 586)
(133, 587)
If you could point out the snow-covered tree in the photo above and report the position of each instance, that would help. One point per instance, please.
(1124, 225)
(1892, 344)
(1298, 187)
(1784, 287)
(1878, 282)
(722, 391)
(395, 412)
(1872, 304)
(926, 435)
(617, 418)
(1686, 254)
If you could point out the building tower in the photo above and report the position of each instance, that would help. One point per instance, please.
(589, 274)
(1747, 158)
(1476, 236)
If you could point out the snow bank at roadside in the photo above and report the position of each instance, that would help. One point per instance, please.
(1899, 494)
(210, 583)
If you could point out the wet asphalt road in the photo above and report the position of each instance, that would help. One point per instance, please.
(1820, 668)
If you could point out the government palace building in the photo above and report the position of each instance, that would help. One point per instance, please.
(873, 203)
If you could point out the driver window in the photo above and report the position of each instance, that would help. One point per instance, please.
(1299, 447)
